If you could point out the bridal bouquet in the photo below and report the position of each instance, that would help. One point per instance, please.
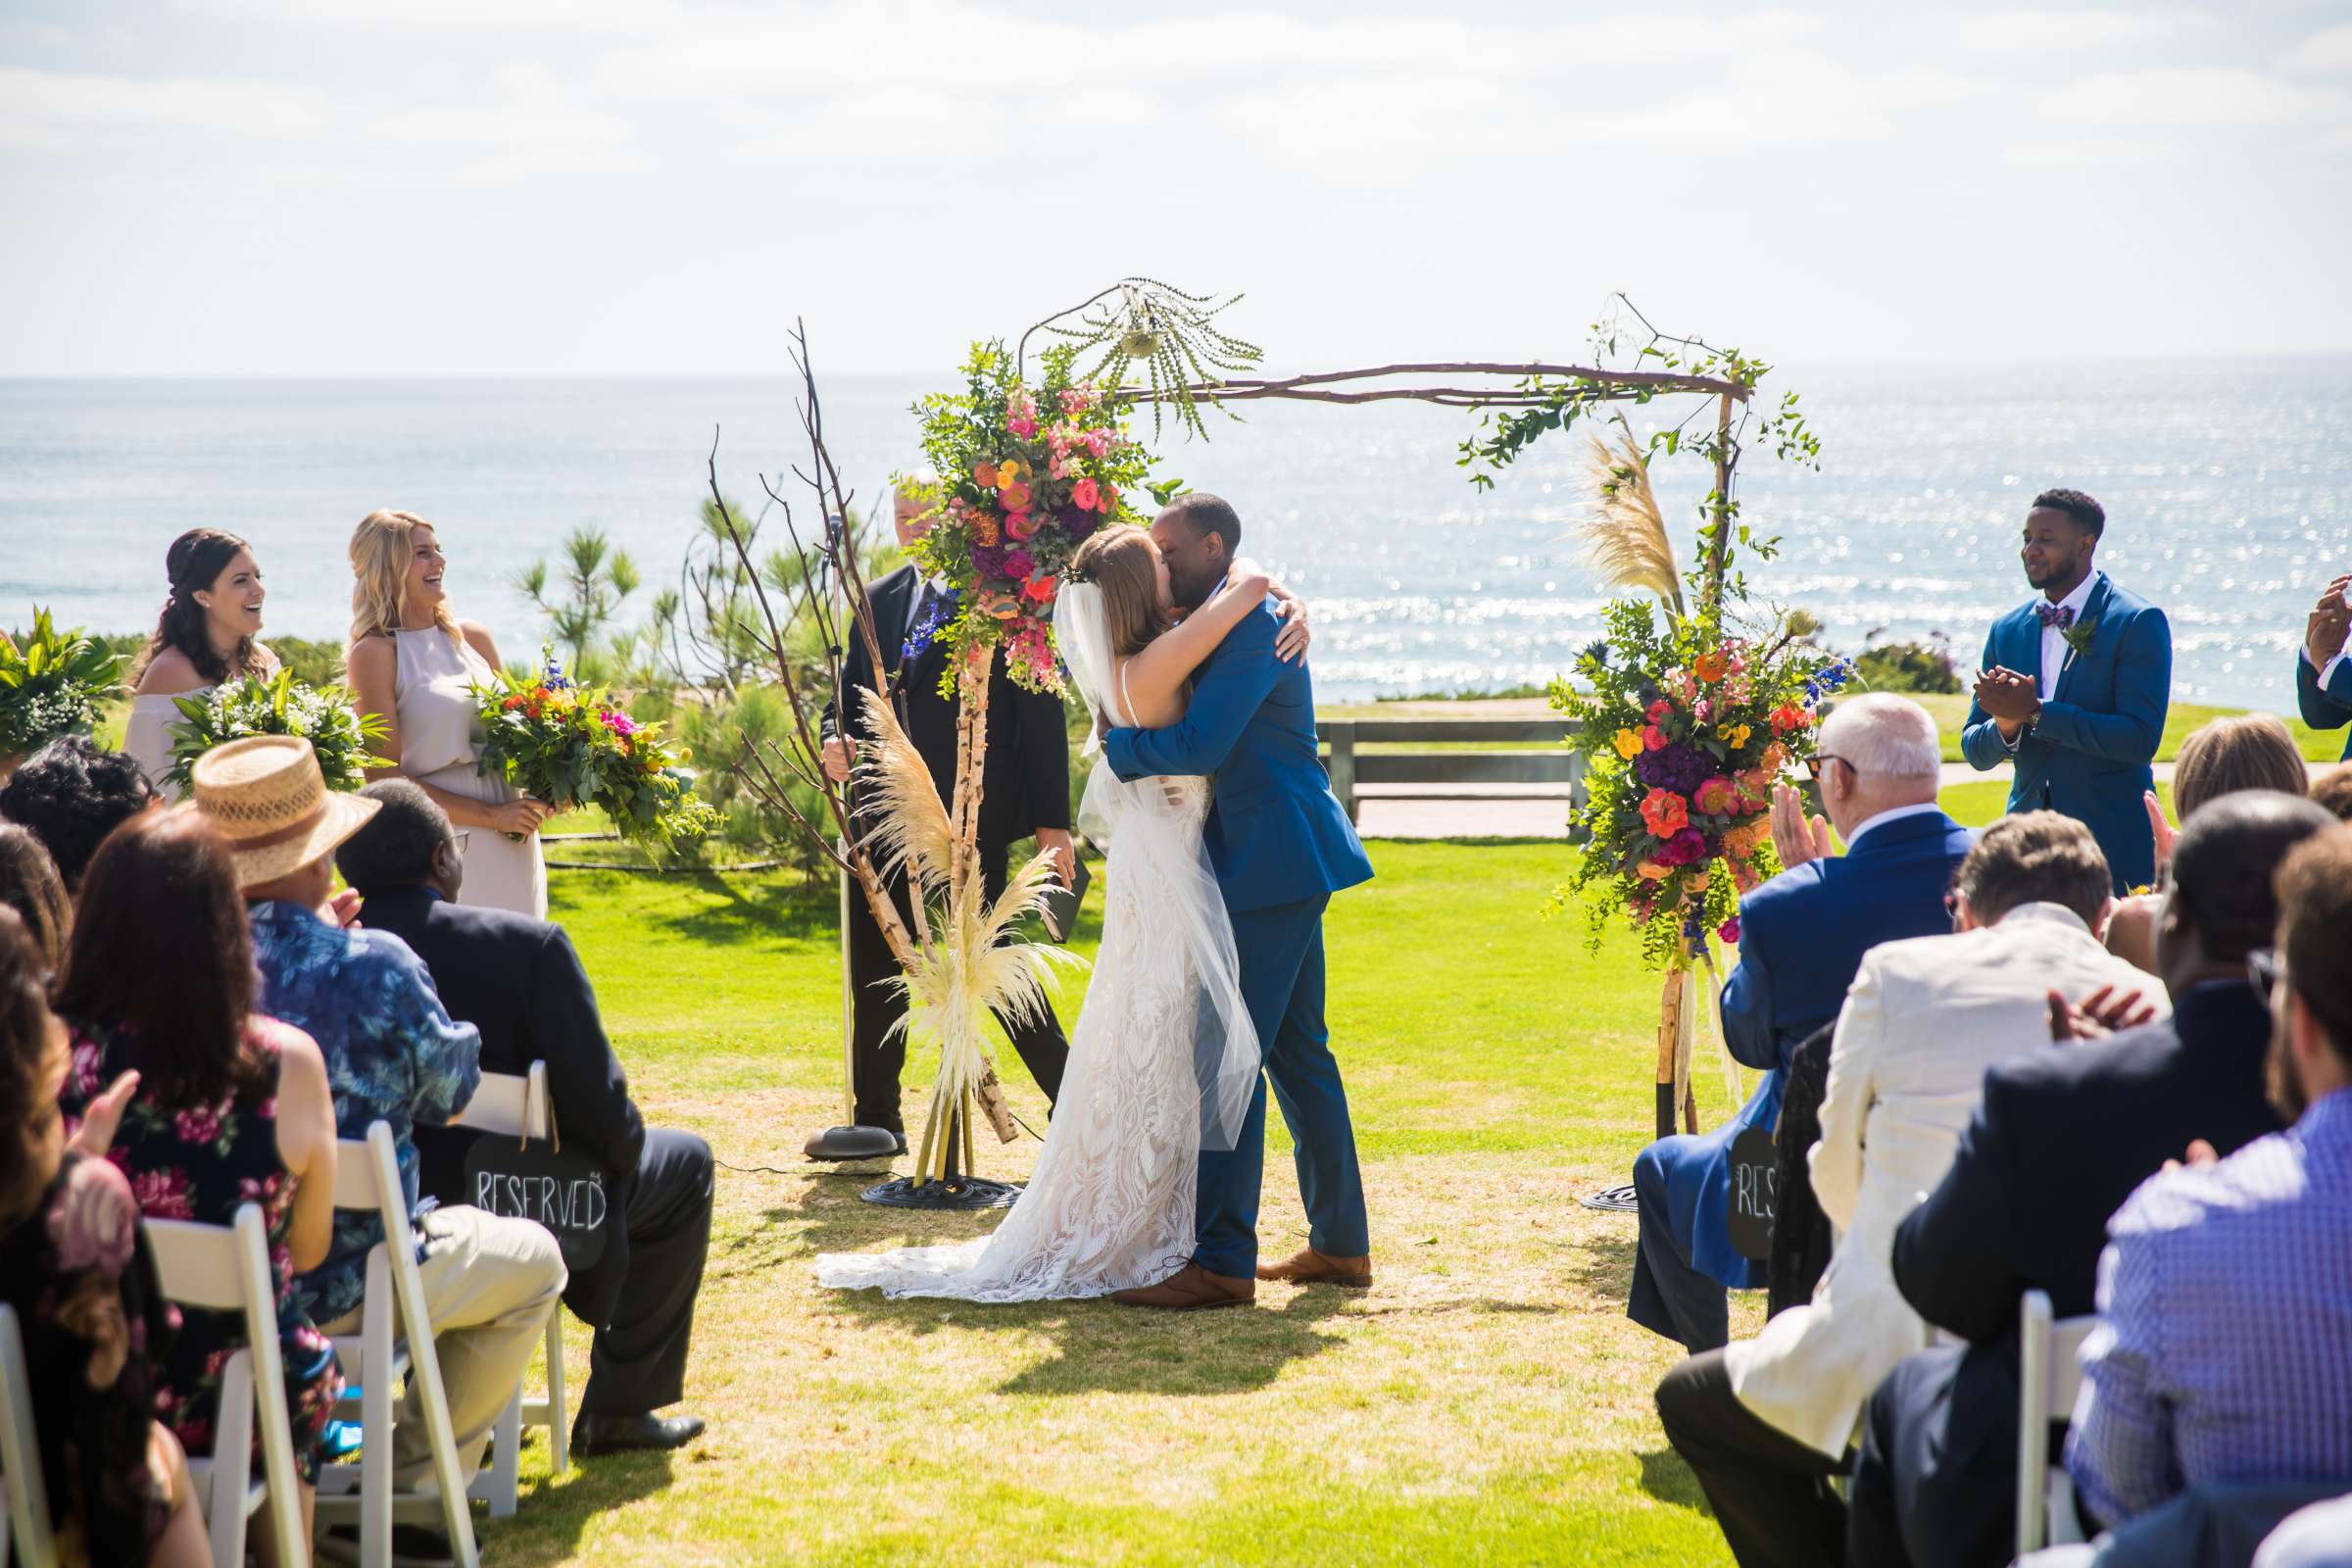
(277, 705)
(1025, 475)
(1687, 730)
(572, 744)
(52, 686)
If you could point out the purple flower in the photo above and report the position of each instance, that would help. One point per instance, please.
(1018, 565)
(1680, 767)
(989, 560)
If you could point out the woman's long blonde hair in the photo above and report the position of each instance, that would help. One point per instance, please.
(381, 554)
(1121, 562)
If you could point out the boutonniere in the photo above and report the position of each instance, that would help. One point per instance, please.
(2077, 638)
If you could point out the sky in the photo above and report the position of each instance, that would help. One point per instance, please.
(424, 188)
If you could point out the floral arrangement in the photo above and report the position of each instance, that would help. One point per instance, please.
(572, 744)
(1026, 474)
(278, 705)
(52, 686)
(1687, 730)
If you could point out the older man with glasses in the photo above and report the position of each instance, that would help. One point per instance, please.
(1802, 938)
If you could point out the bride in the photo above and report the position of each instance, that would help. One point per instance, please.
(1163, 1060)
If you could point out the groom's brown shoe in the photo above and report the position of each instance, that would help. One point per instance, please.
(1190, 1288)
(1310, 1267)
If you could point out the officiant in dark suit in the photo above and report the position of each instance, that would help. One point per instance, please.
(2074, 689)
(518, 981)
(1025, 790)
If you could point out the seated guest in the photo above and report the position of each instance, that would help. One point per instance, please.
(94, 1321)
(2243, 752)
(231, 1108)
(1765, 1422)
(2224, 1347)
(72, 793)
(2323, 674)
(2334, 790)
(30, 886)
(393, 1056)
(1801, 937)
(518, 981)
(2060, 1140)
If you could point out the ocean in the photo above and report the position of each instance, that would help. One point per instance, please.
(2227, 485)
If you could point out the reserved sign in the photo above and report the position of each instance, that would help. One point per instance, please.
(1755, 1193)
(566, 1193)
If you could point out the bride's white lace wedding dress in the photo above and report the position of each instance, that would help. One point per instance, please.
(1162, 1060)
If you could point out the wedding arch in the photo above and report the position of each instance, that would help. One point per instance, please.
(1031, 459)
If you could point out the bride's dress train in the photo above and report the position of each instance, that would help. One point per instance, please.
(1162, 1062)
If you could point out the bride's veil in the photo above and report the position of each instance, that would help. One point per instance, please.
(1159, 841)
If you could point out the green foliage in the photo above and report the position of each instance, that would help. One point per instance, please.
(573, 746)
(52, 683)
(1172, 334)
(731, 733)
(315, 661)
(596, 579)
(1926, 666)
(279, 705)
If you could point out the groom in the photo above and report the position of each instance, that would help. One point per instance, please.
(1281, 847)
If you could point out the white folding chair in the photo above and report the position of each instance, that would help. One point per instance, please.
(517, 1107)
(2048, 1378)
(367, 1176)
(226, 1269)
(20, 1454)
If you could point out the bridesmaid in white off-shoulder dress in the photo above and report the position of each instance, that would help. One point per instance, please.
(206, 635)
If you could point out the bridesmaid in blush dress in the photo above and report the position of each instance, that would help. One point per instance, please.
(206, 634)
(414, 663)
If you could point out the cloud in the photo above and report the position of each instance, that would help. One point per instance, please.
(453, 16)
(61, 108)
(2087, 151)
(2325, 54)
(531, 126)
(2061, 32)
(2197, 98)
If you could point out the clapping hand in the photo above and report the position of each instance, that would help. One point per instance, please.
(2162, 826)
(97, 1134)
(2330, 622)
(1794, 839)
(2008, 697)
(2097, 1015)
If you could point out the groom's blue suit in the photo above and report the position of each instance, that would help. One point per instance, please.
(1281, 847)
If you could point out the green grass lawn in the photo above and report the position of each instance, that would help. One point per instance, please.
(1486, 1402)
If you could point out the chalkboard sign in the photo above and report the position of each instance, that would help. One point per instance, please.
(1754, 1191)
(537, 1181)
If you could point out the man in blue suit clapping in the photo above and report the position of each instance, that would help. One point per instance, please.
(2323, 671)
(1281, 846)
(1802, 936)
(2074, 688)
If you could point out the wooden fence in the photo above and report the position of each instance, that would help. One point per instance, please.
(1441, 771)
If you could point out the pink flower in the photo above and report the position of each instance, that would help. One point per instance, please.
(1097, 442)
(1109, 497)
(95, 1219)
(1086, 494)
(86, 1060)
(1716, 797)
(1057, 469)
(1014, 496)
(1019, 525)
(1077, 399)
(199, 1126)
(1653, 739)
(1657, 711)
(1728, 931)
(1021, 426)
(1686, 846)
(163, 1194)
(622, 723)
(1018, 564)
(1701, 710)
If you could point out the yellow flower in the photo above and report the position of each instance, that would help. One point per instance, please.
(1735, 734)
(1628, 744)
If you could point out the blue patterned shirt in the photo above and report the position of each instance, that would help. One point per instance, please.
(392, 1056)
(2224, 1350)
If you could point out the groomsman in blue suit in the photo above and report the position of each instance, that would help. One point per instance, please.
(2074, 688)
(1802, 936)
(2323, 673)
(1281, 846)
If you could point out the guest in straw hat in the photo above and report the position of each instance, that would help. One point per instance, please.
(395, 1056)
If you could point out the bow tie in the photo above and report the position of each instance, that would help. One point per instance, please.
(2058, 615)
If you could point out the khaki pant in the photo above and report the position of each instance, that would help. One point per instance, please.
(489, 1285)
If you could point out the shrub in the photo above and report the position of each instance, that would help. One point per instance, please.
(1914, 666)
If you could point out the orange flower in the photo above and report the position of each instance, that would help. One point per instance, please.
(985, 474)
(1664, 812)
(984, 529)
(1709, 667)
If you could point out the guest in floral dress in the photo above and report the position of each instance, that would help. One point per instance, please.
(94, 1322)
(231, 1108)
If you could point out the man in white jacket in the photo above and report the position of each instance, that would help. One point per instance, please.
(1765, 1422)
